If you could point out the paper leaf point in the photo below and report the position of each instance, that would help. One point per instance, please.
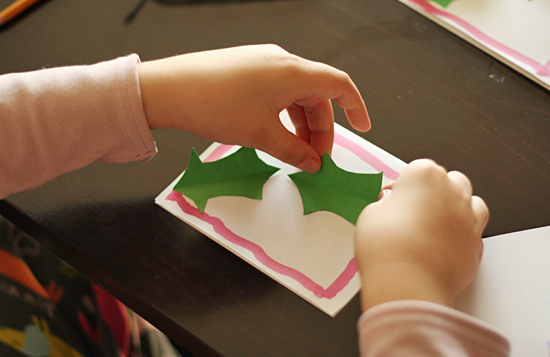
(443, 3)
(336, 190)
(242, 173)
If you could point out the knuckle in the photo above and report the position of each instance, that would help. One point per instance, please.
(427, 170)
(344, 77)
(291, 154)
(276, 53)
(262, 137)
(428, 166)
(271, 47)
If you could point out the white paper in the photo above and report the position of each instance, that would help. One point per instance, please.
(516, 32)
(312, 254)
(512, 290)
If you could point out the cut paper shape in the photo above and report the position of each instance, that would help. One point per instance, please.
(443, 3)
(336, 190)
(311, 255)
(239, 174)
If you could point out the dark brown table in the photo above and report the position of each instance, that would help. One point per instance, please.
(429, 94)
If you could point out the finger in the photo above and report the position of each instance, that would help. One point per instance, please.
(424, 165)
(422, 171)
(314, 123)
(320, 120)
(290, 149)
(326, 82)
(385, 190)
(481, 212)
(461, 181)
(388, 186)
(298, 117)
(384, 193)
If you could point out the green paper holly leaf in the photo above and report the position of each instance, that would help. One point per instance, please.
(336, 190)
(242, 173)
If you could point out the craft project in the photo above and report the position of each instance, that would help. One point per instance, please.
(336, 190)
(515, 32)
(443, 3)
(313, 254)
(241, 174)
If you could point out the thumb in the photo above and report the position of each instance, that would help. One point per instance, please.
(292, 150)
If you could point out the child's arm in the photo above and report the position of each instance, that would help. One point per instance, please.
(57, 120)
(235, 95)
(416, 250)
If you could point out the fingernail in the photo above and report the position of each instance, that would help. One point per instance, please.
(309, 165)
(384, 193)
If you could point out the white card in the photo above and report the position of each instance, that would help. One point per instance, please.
(312, 255)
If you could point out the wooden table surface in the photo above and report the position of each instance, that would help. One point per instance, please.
(429, 94)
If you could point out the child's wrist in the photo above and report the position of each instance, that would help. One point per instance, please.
(400, 281)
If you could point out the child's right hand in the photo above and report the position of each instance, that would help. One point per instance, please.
(423, 240)
(235, 95)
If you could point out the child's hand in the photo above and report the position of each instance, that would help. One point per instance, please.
(235, 95)
(422, 241)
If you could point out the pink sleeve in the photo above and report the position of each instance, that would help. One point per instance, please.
(57, 120)
(421, 328)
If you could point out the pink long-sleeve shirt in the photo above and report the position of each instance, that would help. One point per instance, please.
(57, 120)
(421, 328)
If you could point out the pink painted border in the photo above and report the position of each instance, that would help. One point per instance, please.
(540, 69)
(219, 227)
(218, 152)
(366, 156)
